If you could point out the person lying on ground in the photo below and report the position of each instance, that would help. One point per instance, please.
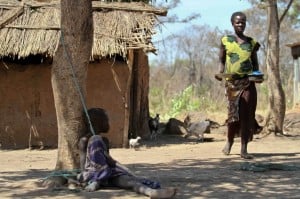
(99, 169)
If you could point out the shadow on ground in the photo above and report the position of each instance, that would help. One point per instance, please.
(210, 178)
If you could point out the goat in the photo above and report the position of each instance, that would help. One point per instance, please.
(133, 143)
(197, 128)
(153, 125)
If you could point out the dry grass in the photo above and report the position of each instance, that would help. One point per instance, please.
(30, 27)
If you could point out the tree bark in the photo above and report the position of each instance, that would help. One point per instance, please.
(127, 100)
(139, 96)
(277, 104)
(72, 57)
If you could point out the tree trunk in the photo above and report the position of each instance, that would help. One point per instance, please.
(277, 105)
(72, 57)
(139, 96)
(127, 100)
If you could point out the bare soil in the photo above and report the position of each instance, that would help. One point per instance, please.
(198, 170)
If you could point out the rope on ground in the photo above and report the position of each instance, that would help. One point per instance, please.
(67, 177)
(64, 173)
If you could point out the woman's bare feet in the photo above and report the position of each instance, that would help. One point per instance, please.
(227, 148)
(246, 156)
(226, 151)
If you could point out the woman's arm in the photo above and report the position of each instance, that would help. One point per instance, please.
(254, 58)
(222, 58)
(222, 61)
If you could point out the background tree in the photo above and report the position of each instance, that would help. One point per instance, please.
(71, 58)
(294, 14)
(277, 102)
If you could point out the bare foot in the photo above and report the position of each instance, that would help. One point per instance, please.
(169, 192)
(226, 151)
(227, 148)
(246, 156)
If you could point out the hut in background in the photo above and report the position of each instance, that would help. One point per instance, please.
(295, 51)
(117, 79)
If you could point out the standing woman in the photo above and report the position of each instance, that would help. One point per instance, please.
(238, 59)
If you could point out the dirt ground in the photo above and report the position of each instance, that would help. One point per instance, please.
(198, 170)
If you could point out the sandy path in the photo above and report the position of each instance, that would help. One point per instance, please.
(198, 170)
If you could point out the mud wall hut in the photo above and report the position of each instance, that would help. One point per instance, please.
(118, 73)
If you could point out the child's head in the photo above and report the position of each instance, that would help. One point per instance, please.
(99, 120)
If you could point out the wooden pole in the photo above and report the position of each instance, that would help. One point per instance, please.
(296, 82)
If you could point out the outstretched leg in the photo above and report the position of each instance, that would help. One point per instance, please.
(130, 182)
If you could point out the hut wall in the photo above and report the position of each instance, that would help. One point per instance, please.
(106, 88)
(27, 107)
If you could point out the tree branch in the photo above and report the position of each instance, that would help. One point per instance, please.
(285, 11)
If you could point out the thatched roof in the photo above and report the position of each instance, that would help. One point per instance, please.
(295, 49)
(30, 27)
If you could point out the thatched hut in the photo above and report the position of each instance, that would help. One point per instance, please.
(29, 36)
(295, 51)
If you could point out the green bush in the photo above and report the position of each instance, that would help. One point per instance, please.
(191, 99)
